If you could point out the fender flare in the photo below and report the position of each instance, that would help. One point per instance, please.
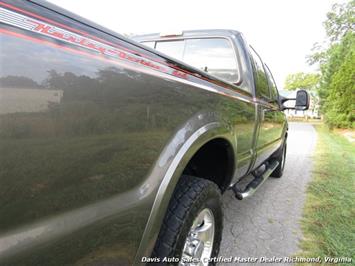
(201, 136)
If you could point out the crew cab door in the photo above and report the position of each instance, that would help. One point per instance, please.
(271, 119)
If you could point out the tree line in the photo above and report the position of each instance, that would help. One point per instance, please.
(335, 82)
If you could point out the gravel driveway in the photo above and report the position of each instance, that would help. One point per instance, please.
(267, 224)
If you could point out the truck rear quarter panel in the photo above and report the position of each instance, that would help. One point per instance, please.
(86, 138)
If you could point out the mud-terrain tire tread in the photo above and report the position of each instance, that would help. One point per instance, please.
(188, 198)
(278, 172)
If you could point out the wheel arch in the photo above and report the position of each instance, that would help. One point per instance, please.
(212, 134)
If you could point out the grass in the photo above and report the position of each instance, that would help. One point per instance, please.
(329, 215)
(47, 176)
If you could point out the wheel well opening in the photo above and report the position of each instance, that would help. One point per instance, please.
(213, 161)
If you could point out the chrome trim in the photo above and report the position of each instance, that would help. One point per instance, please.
(251, 190)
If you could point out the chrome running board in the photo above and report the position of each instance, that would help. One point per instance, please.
(255, 183)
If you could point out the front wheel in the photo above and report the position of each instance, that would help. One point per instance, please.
(192, 228)
(281, 158)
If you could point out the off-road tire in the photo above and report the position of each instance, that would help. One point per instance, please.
(281, 158)
(191, 195)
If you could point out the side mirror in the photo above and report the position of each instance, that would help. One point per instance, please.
(301, 102)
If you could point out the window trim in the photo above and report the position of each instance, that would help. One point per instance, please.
(229, 39)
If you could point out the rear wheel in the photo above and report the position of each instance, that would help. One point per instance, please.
(192, 228)
(281, 158)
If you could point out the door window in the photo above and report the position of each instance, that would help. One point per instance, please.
(174, 49)
(273, 89)
(215, 56)
(150, 44)
(261, 82)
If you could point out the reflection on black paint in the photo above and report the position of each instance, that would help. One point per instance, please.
(80, 131)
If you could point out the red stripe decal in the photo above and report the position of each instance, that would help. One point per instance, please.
(96, 44)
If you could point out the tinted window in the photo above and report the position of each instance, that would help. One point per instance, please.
(272, 84)
(174, 49)
(150, 44)
(214, 56)
(261, 83)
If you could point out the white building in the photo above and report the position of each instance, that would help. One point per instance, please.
(18, 100)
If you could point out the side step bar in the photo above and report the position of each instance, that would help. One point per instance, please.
(256, 182)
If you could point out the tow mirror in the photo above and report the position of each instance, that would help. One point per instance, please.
(301, 102)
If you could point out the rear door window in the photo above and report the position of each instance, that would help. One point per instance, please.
(261, 82)
(273, 89)
(215, 56)
(150, 44)
(174, 49)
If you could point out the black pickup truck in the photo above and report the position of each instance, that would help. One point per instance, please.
(114, 152)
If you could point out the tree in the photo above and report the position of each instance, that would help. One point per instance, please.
(18, 82)
(336, 61)
(301, 80)
(340, 21)
(339, 91)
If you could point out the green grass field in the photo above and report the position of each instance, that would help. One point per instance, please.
(329, 214)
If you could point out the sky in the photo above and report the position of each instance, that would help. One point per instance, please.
(281, 31)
